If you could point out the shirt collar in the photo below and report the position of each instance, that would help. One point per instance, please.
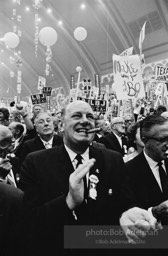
(49, 142)
(118, 137)
(150, 161)
(72, 154)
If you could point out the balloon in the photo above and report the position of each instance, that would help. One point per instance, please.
(48, 36)
(80, 34)
(11, 40)
(78, 69)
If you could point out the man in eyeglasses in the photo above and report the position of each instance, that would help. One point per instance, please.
(10, 196)
(116, 140)
(9, 164)
(146, 185)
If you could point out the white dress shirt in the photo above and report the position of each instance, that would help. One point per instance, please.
(47, 144)
(72, 155)
(155, 168)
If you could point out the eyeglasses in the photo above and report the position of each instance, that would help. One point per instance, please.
(121, 123)
(161, 139)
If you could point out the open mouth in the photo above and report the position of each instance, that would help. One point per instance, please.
(82, 130)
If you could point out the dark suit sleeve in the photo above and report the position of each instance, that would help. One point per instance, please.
(25, 151)
(128, 196)
(34, 194)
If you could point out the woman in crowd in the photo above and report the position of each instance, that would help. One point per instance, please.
(4, 116)
(135, 143)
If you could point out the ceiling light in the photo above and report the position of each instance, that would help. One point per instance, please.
(2, 63)
(2, 50)
(49, 10)
(27, 8)
(39, 19)
(60, 22)
(83, 6)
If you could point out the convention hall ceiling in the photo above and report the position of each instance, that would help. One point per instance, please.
(112, 26)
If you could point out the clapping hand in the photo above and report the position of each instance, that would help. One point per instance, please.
(76, 185)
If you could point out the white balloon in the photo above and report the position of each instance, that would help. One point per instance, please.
(78, 69)
(11, 40)
(80, 33)
(48, 36)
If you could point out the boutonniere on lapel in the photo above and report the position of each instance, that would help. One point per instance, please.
(125, 149)
(92, 186)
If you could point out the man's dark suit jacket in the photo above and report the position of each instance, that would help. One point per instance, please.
(45, 181)
(18, 150)
(111, 142)
(36, 144)
(10, 203)
(140, 186)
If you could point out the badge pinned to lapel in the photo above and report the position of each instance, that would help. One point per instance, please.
(92, 187)
(110, 191)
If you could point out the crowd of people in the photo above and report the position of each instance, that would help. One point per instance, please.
(75, 169)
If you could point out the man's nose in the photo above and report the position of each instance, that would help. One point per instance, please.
(45, 122)
(84, 119)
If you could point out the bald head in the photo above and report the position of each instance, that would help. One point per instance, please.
(75, 105)
(5, 137)
(118, 126)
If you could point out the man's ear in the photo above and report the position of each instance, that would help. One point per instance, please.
(17, 131)
(144, 139)
(61, 125)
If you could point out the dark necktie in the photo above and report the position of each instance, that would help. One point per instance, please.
(163, 180)
(79, 161)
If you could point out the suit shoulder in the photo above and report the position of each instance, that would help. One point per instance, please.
(43, 153)
(109, 152)
(134, 161)
(28, 142)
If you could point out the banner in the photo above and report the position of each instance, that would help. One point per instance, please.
(47, 91)
(38, 98)
(96, 105)
(72, 82)
(128, 77)
(159, 89)
(97, 82)
(127, 52)
(41, 83)
(161, 73)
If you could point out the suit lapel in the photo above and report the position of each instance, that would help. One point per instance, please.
(64, 160)
(166, 165)
(63, 166)
(38, 144)
(149, 177)
(98, 168)
(114, 141)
